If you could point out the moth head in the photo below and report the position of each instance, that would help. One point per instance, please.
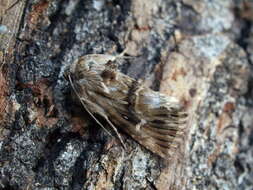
(79, 65)
(92, 62)
(76, 69)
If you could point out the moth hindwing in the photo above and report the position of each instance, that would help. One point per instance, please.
(153, 119)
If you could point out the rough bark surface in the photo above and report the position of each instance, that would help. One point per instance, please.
(199, 51)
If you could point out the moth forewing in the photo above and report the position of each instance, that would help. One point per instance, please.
(154, 120)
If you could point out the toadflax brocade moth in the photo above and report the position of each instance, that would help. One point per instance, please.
(153, 119)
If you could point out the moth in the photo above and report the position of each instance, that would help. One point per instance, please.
(153, 119)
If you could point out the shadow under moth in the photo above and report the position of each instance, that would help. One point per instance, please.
(153, 119)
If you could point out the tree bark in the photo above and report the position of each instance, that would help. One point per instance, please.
(197, 51)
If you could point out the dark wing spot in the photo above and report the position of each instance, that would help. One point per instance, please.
(108, 75)
(158, 122)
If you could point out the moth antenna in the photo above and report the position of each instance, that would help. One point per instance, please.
(125, 57)
(117, 133)
(122, 55)
(100, 124)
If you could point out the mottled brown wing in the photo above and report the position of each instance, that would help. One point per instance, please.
(154, 120)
